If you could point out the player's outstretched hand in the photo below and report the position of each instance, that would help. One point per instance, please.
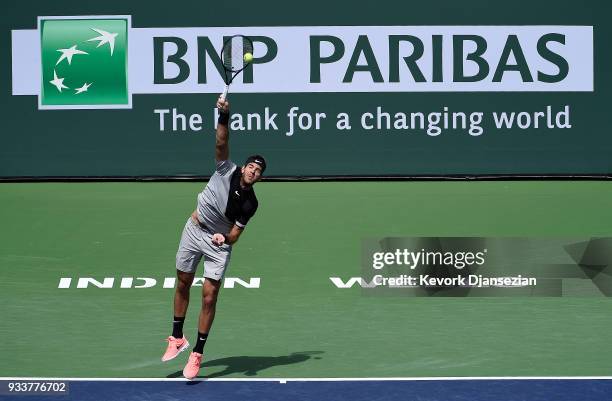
(218, 239)
(222, 105)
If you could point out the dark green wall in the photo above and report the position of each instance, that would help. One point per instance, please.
(37, 143)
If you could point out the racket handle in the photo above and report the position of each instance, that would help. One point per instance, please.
(224, 94)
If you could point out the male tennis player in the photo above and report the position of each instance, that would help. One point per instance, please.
(224, 208)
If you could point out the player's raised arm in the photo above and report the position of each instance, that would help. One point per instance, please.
(222, 139)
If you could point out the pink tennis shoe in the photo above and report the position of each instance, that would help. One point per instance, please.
(193, 365)
(175, 347)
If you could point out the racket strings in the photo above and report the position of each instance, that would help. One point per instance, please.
(233, 53)
(237, 54)
(232, 56)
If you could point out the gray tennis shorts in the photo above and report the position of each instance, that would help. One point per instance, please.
(197, 242)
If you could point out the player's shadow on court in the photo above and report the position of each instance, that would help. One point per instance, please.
(251, 365)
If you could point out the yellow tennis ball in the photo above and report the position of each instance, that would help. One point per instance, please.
(248, 57)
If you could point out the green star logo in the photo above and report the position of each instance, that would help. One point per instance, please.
(84, 63)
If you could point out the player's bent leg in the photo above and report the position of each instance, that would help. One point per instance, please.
(210, 293)
(216, 260)
(177, 342)
(188, 257)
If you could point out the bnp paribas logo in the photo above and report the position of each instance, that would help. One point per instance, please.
(84, 62)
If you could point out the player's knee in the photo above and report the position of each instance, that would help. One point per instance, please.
(184, 284)
(209, 300)
(183, 287)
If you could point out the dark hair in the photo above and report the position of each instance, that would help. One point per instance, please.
(257, 159)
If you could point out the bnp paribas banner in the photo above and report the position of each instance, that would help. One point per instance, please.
(109, 95)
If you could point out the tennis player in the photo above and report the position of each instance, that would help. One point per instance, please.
(224, 208)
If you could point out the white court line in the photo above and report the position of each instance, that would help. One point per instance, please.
(306, 379)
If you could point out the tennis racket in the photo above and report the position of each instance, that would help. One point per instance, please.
(232, 56)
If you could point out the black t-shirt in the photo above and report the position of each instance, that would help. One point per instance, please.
(241, 203)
